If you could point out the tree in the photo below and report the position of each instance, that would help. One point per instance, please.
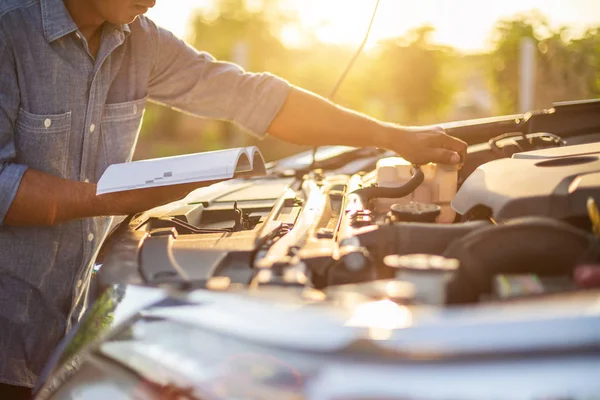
(237, 33)
(412, 78)
(586, 61)
(567, 69)
(508, 36)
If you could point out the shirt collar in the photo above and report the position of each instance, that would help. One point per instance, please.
(124, 29)
(57, 21)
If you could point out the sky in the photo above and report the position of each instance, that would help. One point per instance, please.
(463, 24)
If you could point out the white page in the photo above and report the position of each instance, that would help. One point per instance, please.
(198, 167)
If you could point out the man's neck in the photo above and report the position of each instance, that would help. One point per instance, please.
(85, 17)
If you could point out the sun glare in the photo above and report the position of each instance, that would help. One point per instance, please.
(463, 24)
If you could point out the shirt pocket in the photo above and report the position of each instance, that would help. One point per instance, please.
(120, 127)
(42, 141)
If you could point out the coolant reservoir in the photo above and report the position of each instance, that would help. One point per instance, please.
(392, 172)
(438, 187)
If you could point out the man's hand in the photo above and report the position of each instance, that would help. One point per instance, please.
(421, 145)
(311, 120)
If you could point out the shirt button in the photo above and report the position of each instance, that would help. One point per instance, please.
(90, 237)
(92, 128)
(47, 122)
(86, 180)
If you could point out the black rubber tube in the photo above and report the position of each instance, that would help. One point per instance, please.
(531, 245)
(376, 192)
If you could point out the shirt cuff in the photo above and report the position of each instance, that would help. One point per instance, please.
(10, 179)
(256, 116)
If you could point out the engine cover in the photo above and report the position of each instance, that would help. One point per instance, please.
(552, 182)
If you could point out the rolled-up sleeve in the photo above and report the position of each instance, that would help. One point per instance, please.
(10, 172)
(193, 81)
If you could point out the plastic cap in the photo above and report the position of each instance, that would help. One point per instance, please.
(415, 212)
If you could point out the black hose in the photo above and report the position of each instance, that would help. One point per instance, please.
(377, 192)
(531, 245)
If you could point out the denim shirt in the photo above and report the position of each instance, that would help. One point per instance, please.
(70, 115)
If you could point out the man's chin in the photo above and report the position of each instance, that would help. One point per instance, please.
(131, 20)
(124, 20)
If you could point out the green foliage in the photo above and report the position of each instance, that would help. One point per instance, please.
(508, 37)
(567, 69)
(98, 319)
(586, 60)
(412, 81)
(237, 29)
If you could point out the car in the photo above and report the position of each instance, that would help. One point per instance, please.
(349, 273)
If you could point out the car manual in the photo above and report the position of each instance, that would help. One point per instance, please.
(188, 168)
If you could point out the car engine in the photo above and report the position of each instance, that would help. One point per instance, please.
(513, 221)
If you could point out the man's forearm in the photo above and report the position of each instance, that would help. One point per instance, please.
(44, 199)
(306, 118)
(312, 120)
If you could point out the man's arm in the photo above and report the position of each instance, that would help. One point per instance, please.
(44, 199)
(311, 120)
(185, 78)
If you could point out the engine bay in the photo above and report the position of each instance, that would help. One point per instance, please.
(514, 222)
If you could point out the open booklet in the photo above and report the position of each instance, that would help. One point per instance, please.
(198, 167)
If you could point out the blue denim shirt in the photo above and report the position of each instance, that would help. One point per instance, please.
(70, 115)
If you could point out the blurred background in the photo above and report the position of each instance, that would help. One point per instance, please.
(427, 61)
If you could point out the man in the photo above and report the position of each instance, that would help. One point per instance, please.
(74, 80)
